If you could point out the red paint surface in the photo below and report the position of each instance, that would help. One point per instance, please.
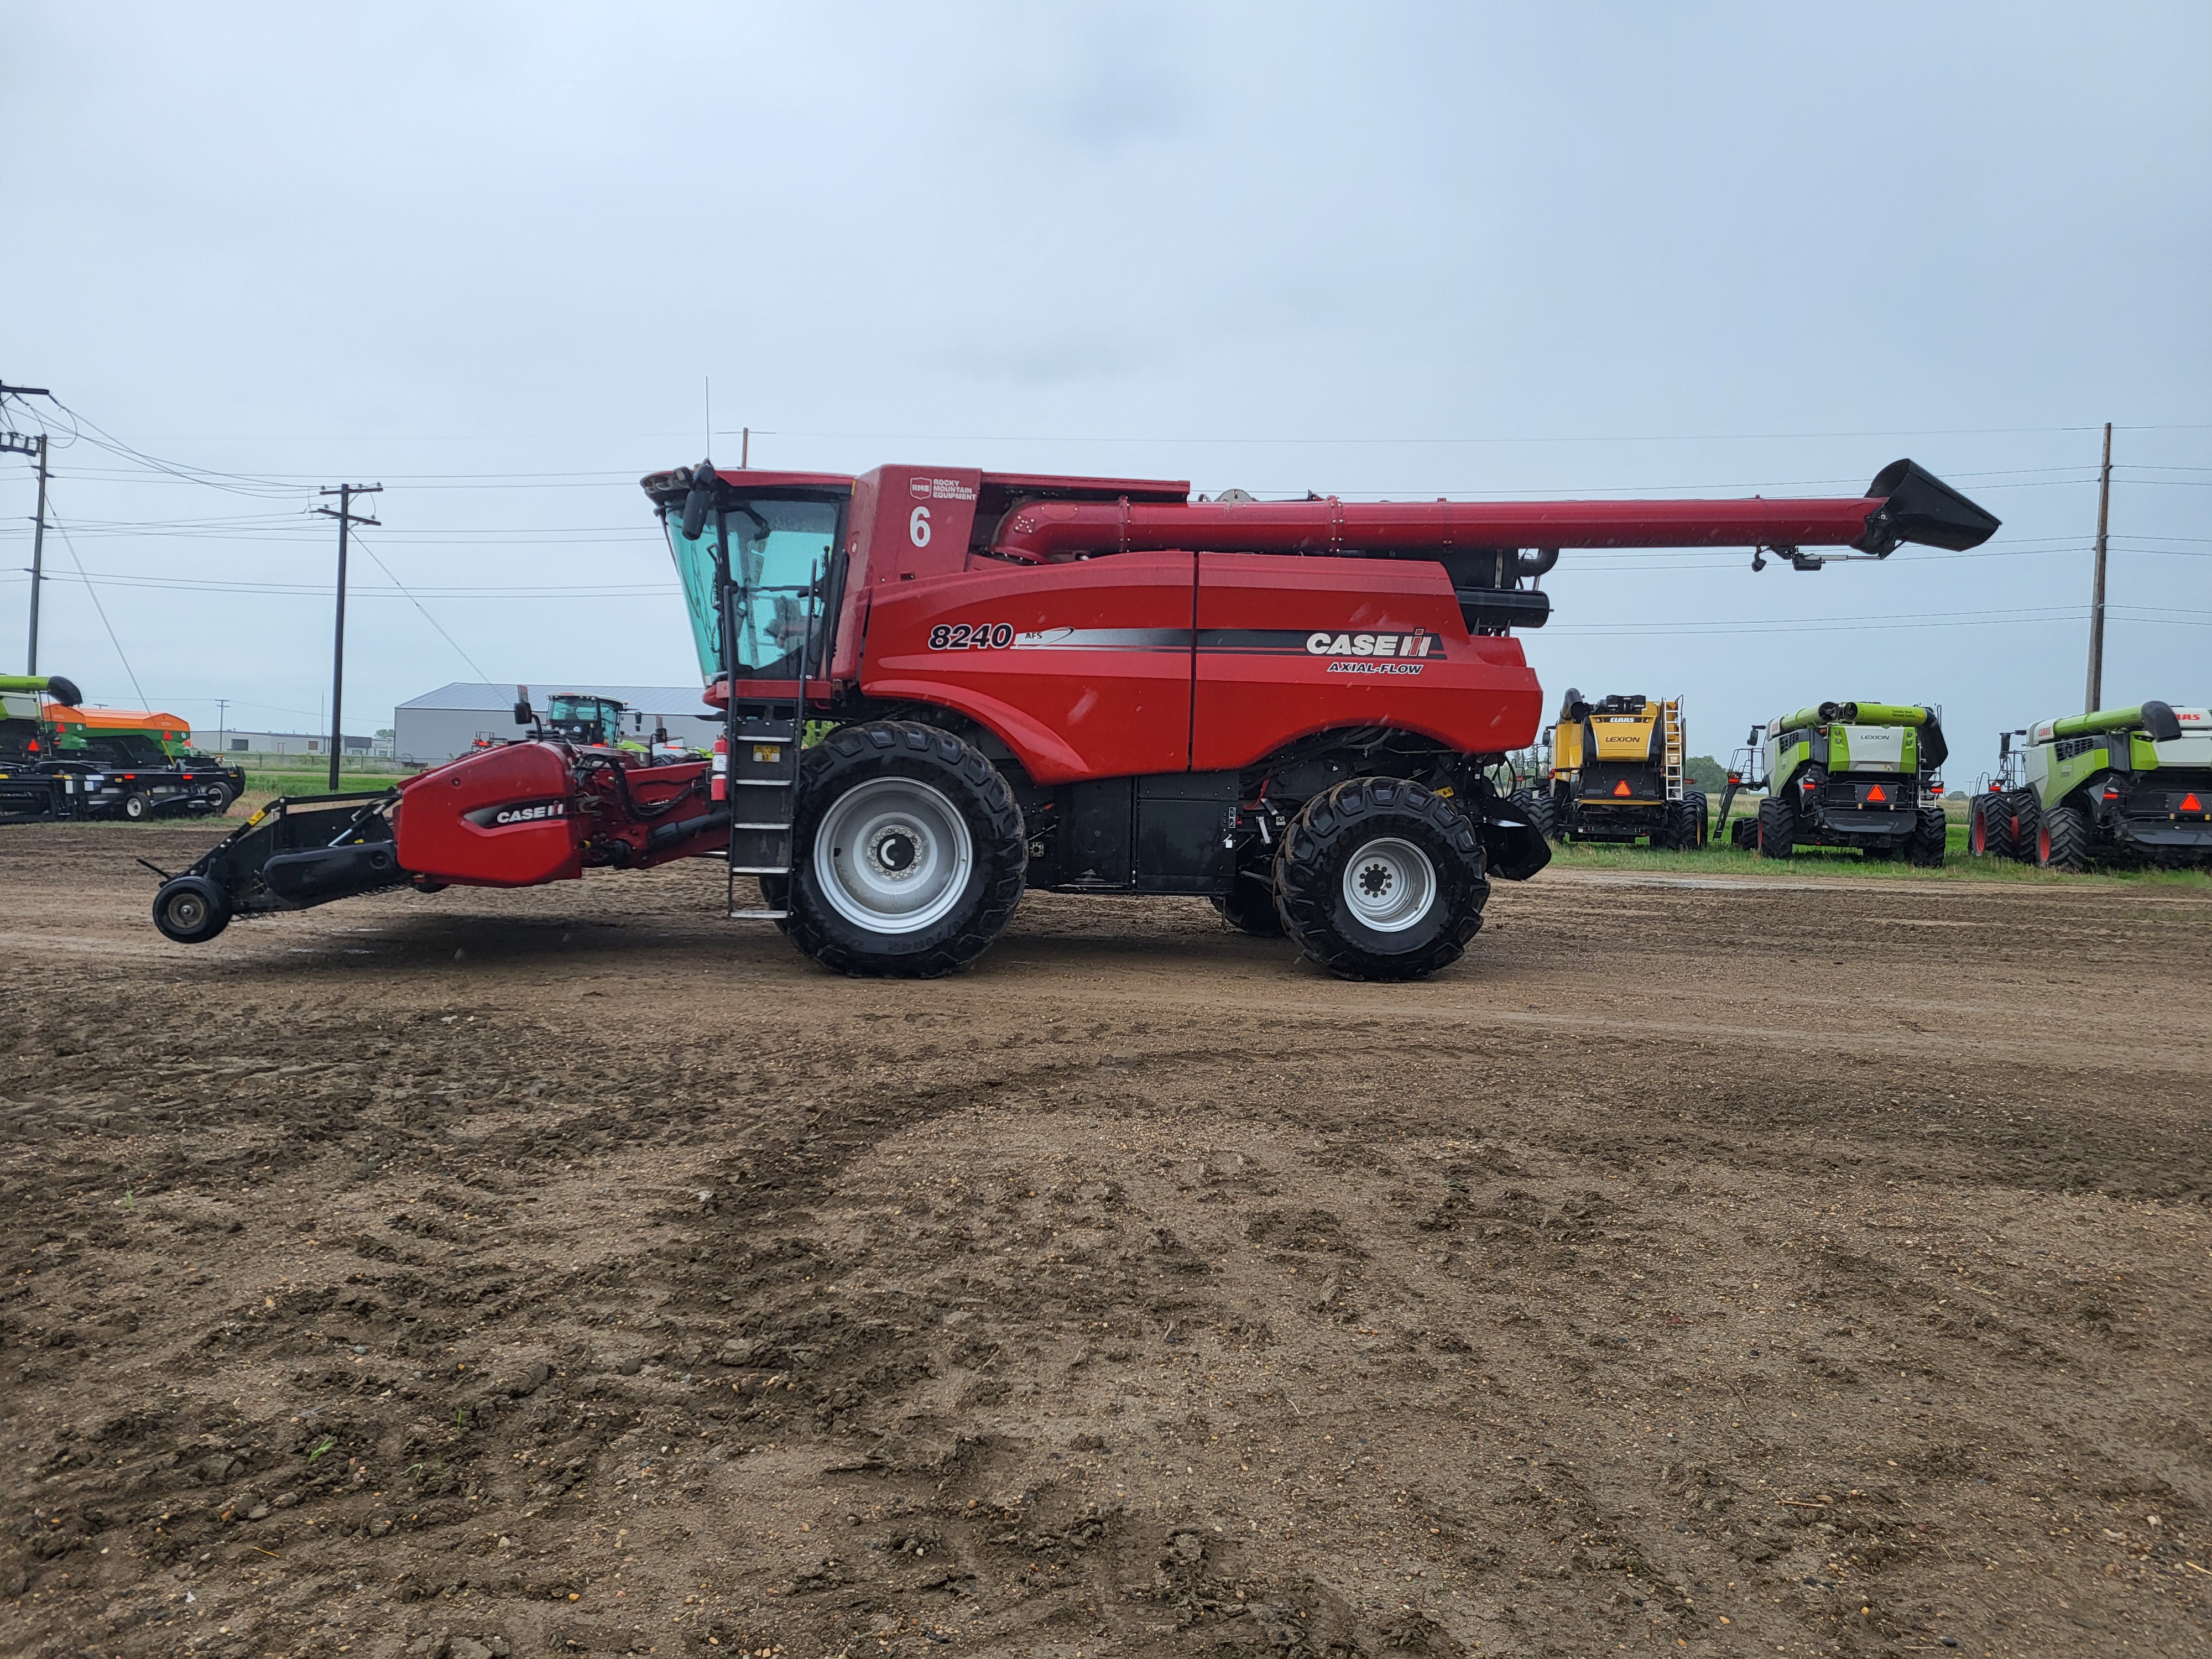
(435, 840)
(1478, 695)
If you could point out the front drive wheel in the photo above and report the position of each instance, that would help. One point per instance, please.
(908, 856)
(191, 909)
(2062, 840)
(1379, 878)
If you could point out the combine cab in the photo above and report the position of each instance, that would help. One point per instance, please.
(2120, 788)
(1617, 776)
(941, 687)
(1860, 775)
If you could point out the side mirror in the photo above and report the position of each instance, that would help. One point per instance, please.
(700, 502)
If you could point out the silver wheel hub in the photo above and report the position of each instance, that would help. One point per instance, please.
(893, 856)
(1389, 885)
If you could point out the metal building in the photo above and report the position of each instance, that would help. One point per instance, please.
(441, 723)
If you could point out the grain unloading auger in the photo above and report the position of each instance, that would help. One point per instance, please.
(1085, 684)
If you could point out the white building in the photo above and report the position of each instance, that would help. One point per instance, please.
(230, 741)
(441, 723)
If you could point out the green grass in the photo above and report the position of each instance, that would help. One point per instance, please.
(1836, 863)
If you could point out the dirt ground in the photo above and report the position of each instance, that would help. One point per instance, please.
(1802, 1264)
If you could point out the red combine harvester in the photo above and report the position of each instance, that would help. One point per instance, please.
(1291, 708)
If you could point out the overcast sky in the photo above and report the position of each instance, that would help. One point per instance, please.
(488, 256)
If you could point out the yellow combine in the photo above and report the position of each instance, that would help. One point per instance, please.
(1616, 774)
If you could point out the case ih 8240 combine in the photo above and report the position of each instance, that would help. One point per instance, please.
(1085, 684)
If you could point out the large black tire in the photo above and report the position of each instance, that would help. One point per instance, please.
(1704, 816)
(2062, 840)
(1989, 826)
(2026, 824)
(915, 804)
(1412, 859)
(1680, 834)
(1778, 828)
(1249, 905)
(1537, 809)
(1929, 834)
(191, 909)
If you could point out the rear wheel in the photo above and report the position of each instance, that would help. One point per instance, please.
(1537, 809)
(1381, 879)
(1778, 828)
(1929, 834)
(2062, 840)
(138, 808)
(191, 910)
(907, 856)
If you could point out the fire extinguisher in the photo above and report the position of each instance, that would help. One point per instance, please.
(720, 789)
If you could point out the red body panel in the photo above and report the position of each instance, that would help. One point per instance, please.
(1084, 669)
(1265, 675)
(478, 821)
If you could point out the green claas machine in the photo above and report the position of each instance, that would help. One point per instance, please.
(2118, 788)
(1860, 774)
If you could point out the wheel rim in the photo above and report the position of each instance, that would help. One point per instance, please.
(893, 856)
(187, 911)
(1389, 884)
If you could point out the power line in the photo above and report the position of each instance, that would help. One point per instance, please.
(93, 595)
(426, 616)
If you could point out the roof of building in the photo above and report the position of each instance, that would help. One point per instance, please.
(470, 697)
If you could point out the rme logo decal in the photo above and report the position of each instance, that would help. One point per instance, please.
(521, 811)
(1325, 644)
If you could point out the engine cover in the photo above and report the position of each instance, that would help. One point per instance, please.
(500, 818)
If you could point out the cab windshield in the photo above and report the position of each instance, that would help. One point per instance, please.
(779, 556)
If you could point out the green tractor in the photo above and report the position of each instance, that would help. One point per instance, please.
(1858, 774)
(2118, 788)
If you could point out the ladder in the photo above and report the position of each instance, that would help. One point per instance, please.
(1670, 724)
(765, 737)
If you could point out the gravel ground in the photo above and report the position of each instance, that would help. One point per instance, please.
(1812, 1264)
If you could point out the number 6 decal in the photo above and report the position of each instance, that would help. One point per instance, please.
(917, 525)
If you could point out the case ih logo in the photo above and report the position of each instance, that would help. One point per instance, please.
(939, 489)
(1325, 644)
(521, 811)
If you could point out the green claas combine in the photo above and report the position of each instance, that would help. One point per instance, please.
(2118, 788)
(1858, 774)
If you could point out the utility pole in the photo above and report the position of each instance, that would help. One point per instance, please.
(16, 444)
(2097, 589)
(346, 519)
(221, 725)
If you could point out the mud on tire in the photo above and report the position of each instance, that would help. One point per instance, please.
(1415, 862)
(916, 804)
